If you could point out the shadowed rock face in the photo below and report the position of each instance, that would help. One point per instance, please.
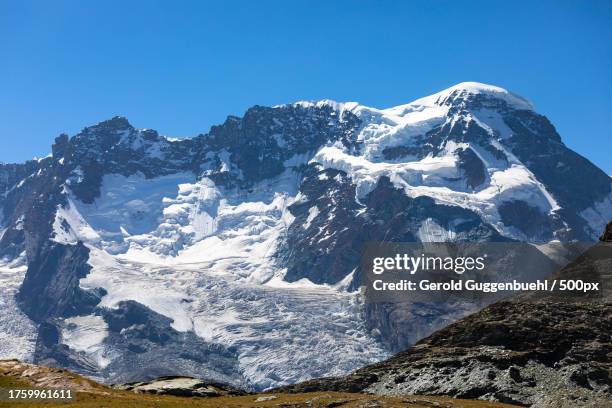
(472, 167)
(53, 280)
(607, 234)
(528, 219)
(577, 182)
(551, 351)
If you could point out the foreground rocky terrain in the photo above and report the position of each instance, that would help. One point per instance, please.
(164, 393)
(552, 350)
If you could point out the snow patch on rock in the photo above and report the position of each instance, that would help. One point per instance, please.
(86, 334)
(312, 214)
(598, 215)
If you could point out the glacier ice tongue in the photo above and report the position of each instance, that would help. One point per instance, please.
(17, 331)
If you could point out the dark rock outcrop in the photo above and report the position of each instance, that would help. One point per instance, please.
(473, 168)
(528, 219)
(607, 234)
(51, 286)
(574, 181)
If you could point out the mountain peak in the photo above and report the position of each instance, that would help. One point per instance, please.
(116, 123)
(476, 87)
(469, 92)
(103, 135)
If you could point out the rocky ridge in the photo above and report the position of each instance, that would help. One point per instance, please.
(190, 392)
(48, 378)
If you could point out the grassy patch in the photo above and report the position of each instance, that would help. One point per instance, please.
(12, 382)
(125, 399)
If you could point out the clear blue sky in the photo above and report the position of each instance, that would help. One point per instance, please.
(180, 67)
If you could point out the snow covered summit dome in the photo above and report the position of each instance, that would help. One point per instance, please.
(467, 94)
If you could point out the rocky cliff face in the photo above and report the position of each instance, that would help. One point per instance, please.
(221, 242)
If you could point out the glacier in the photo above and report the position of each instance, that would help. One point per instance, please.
(17, 331)
(215, 278)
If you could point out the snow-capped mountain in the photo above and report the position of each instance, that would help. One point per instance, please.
(235, 254)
